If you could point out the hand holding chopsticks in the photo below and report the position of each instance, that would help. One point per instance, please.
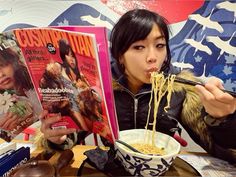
(212, 95)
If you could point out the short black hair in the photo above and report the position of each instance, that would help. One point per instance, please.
(64, 49)
(133, 26)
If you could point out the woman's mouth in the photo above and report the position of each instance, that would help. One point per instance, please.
(5, 81)
(72, 65)
(150, 70)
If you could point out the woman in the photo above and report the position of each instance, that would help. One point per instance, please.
(13, 75)
(70, 64)
(80, 104)
(16, 93)
(65, 75)
(87, 98)
(140, 46)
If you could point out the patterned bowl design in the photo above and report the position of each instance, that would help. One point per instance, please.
(138, 164)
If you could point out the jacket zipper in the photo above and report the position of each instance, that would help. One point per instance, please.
(135, 102)
(135, 112)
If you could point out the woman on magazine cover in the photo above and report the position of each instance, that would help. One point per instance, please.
(87, 98)
(140, 45)
(67, 75)
(16, 90)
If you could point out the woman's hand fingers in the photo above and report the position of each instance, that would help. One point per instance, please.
(215, 81)
(54, 135)
(43, 114)
(46, 123)
(12, 122)
(57, 136)
(216, 102)
(4, 118)
(213, 93)
(58, 139)
(9, 121)
(58, 132)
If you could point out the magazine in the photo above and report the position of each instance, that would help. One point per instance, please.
(66, 72)
(13, 159)
(19, 103)
(102, 45)
(208, 165)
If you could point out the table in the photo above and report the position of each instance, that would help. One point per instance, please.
(72, 168)
(179, 168)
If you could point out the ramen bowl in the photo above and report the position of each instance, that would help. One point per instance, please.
(140, 164)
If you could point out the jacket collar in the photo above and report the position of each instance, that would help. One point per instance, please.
(121, 84)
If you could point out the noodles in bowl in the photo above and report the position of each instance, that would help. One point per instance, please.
(150, 164)
(148, 149)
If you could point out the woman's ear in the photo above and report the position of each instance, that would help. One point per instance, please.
(121, 60)
(121, 64)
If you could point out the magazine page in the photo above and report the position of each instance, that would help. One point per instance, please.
(19, 104)
(66, 72)
(209, 166)
(103, 52)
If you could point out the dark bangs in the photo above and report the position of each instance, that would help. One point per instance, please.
(129, 29)
(7, 57)
(133, 26)
(136, 29)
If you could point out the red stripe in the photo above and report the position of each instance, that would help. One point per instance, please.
(173, 10)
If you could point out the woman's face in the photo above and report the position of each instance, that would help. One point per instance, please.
(144, 57)
(7, 80)
(71, 60)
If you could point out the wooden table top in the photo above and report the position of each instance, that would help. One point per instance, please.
(179, 168)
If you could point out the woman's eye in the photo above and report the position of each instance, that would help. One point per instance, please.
(138, 47)
(160, 45)
(2, 65)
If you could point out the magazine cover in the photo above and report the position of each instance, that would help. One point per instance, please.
(65, 69)
(19, 104)
(103, 52)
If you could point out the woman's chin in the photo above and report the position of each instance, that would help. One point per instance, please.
(147, 81)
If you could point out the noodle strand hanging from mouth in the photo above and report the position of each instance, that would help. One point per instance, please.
(169, 89)
(160, 86)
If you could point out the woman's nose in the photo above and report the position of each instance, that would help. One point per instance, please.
(151, 57)
(151, 60)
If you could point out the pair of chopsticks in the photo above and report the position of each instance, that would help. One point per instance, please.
(128, 146)
(193, 83)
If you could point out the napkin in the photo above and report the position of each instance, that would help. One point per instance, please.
(102, 160)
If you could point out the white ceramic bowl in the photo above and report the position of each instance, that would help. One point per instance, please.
(138, 164)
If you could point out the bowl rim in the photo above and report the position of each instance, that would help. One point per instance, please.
(174, 153)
